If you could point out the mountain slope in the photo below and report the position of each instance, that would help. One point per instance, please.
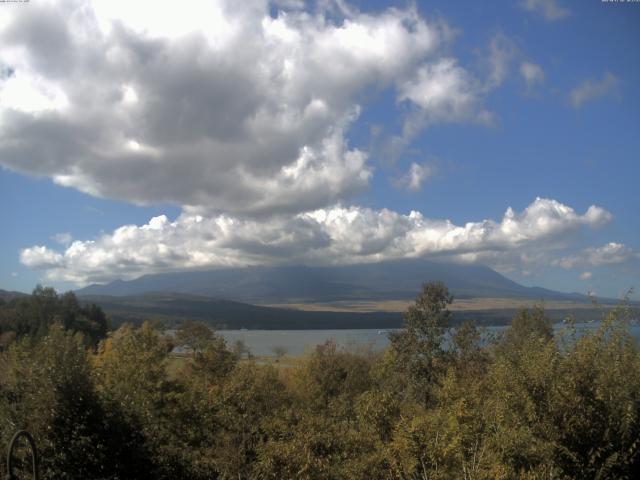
(10, 295)
(173, 308)
(388, 280)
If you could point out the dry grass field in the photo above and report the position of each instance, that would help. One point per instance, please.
(469, 304)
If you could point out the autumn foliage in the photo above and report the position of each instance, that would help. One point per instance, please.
(439, 403)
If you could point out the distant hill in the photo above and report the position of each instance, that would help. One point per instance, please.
(298, 284)
(7, 295)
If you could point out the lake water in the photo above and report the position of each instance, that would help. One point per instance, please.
(298, 342)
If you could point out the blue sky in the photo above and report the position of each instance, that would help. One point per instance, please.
(292, 133)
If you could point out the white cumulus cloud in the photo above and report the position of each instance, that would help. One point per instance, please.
(532, 74)
(551, 10)
(592, 89)
(215, 106)
(330, 236)
(415, 176)
(611, 253)
(41, 257)
(444, 91)
(586, 276)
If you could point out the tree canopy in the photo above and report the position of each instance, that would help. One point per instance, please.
(438, 403)
(32, 316)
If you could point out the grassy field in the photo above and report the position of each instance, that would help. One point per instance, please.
(463, 305)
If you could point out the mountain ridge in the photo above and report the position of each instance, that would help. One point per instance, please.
(290, 284)
(8, 295)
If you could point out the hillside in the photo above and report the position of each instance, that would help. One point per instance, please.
(9, 295)
(173, 308)
(298, 284)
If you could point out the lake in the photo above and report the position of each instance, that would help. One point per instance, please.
(298, 342)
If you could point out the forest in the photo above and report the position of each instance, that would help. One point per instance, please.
(438, 403)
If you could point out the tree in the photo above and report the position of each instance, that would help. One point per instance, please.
(130, 375)
(194, 335)
(33, 316)
(248, 397)
(330, 376)
(279, 351)
(529, 323)
(47, 389)
(240, 348)
(418, 345)
(469, 358)
(214, 363)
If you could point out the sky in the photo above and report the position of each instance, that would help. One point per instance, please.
(147, 137)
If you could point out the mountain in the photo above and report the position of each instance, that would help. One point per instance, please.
(300, 284)
(7, 295)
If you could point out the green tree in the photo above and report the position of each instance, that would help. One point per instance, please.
(33, 316)
(330, 377)
(279, 351)
(418, 346)
(240, 349)
(250, 396)
(47, 389)
(130, 375)
(530, 322)
(569, 412)
(214, 363)
(318, 436)
(596, 403)
(469, 357)
(194, 335)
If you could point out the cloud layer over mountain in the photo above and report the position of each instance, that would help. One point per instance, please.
(334, 236)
